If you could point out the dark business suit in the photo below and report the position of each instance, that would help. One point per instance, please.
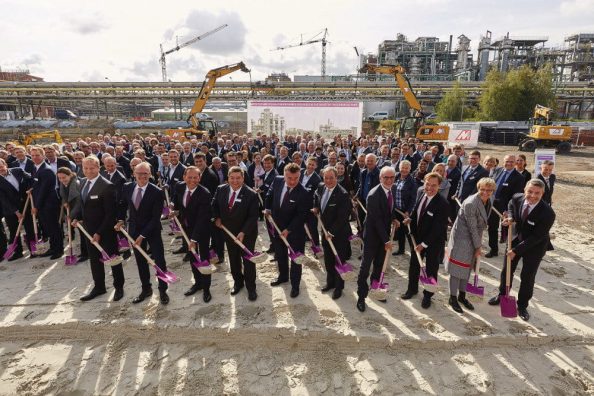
(145, 221)
(11, 202)
(175, 176)
(367, 181)
(281, 163)
(222, 173)
(241, 217)
(29, 166)
(335, 218)
(209, 180)
(125, 164)
(549, 188)
(267, 181)
(376, 233)
(530, 244)
(506, 188)
(311, 220)
(467, 185)
(453, 176)
(47, 203)
(430, 229)
(195, 219)
(187, 159)
(290, 215)
(408, 196)
(98, 214)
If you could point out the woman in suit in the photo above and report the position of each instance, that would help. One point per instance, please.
(465, 242)
(404, 199)
(70, 197)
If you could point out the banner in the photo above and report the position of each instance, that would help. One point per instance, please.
(465, 133)
(541, 155)
(282, 118)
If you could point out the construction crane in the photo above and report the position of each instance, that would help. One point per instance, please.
(178, 47)
(313, 40)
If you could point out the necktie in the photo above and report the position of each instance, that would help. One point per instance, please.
(138, 197)
(188, 197)
(390, 201)
(325, 199)
(423, 208)
(286, 197)
(85, 191)
(500, 182)
(232, 200)
(525, 212)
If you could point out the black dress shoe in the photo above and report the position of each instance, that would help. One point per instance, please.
(491, 254)
(187, 257)
(127, 254)
(494, 300)
(82, 258)
(46, 254)
(16, 256)
(523, 313)
(143, 294)
(92, 294)
(361, 305)
(252, 295)
(426, 303)
(163, 297)
(56, 256)
(206, 297)
(192, 290)
(118, 295)
(180, 251)
(236, 289)
(327, 288)
(408, 295)
(278, 282)
(337, 294)
(462, 298)
(270, 250)
(294, 293)
(454, 304)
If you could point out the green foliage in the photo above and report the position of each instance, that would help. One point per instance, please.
(452, 107)
(389, 125)
(512, 96)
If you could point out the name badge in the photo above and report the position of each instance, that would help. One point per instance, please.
(471, 178)
(530, 222)
(332, 205)
(505, 184)
(292, 201)
(94, 197)
(430, 213)
(237, 200)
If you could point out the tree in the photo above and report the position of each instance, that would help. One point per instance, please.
(452, 106)
(513, 96)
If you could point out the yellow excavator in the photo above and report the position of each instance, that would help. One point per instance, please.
(26, 139)
(414, 125)
(544, 134)
(201, 125)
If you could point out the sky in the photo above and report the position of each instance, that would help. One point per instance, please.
(108, 40)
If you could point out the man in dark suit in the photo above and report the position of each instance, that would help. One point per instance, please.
(368, 179)
(288, 203)
(236, 207)
(509, 182)
(144, 203)
(113, 175)
(268, 178)
(47, 203)
(14, 184)
(98, 217)
(429, 224)
(123, 161)
(533, 219)
(548, 178)
(333, 204)
(186, 156)
(469, 177)
(53, 161)
(176, 169)
(376, 232)
(283, 160)
(356, 170)
(193, 203)
(310, 180)
(22, 161)
(208, 178)
(220, 169)
(453, 175)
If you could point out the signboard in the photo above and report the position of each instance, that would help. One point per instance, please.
(282, 118)
(541, 155)
(465, 133)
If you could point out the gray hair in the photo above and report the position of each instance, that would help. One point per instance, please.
(404, 162)
(536, 183)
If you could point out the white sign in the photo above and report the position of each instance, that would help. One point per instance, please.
(465, 133)
(299, 117)
(556, 131)
(541, 155)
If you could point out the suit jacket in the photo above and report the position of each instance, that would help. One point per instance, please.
(292, 215)
(312, 184)
(146, 220)
(378, 219)
(268, 180)
(125, 164)
(454, 178)
(177, 175)
(355, 173)
(60, 163)
(532, 238)
(45, 196)
(373, 181)
(408, 193)
(196, 216)
(513, 185)
(12, 200)
(224, 169)
(280, 164)
(154, 162)
(431, 228)
(187, 160)
(549, 188)
(210, 180)
(29, 165)
(468, 180)
(243, 216)
(336, 215)
(99, 212)
(118, 180)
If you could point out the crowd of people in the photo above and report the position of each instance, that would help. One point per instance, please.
(390, 192)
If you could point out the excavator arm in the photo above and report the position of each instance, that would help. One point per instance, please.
(208, 85)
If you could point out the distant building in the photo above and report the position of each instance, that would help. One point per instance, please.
(268, 123)
(277, 77)
(18, 75)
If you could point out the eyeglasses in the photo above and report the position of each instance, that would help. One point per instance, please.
(388, 177)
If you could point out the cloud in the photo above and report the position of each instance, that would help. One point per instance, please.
(577, 7)
(34, 59)
(143, 70)
(93, 76)
(88, 24)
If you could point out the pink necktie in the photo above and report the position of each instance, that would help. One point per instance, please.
(138, 197)
(232, 200)
(188, 197)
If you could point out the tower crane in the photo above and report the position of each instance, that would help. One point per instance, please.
(178, 47)
(312, 40)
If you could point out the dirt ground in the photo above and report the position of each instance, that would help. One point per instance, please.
(51, 343)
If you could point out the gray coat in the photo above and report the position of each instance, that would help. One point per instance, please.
(466, 236)
(71, 195)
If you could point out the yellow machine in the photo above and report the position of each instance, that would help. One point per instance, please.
(40, 138)
(411, 125)
(544, 134)
(202, 125)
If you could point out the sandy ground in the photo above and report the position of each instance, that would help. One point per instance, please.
(51, 343)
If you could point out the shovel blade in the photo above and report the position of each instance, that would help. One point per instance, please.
(509, 308)
(10, 251)
(299, 258)
(213, 258)
(256, 257)
(70, 260)
(476, 290)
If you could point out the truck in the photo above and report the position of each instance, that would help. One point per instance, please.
(543, 133)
